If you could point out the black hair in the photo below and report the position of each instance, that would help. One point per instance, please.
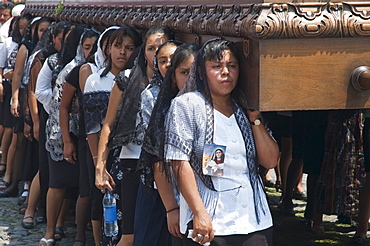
(67, 29)
(212, 50)
(71, 43)
(59, 27)
(138, 55)
(29, 40)
(153, 147)
(169, 42)
(7, 5)
(15, 34)
(46, 42)
(183, 52)
(89, 33)
(105, 36)
(160, 29)
(117, 36)
(37, 23)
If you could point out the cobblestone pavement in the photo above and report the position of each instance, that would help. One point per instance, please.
(12, 233)
(288, 231)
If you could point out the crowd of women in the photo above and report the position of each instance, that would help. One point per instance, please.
(139, 114)
(161, 124)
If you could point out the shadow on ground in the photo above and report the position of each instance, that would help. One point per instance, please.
(293, 231)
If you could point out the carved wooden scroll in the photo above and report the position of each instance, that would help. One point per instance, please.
(261, 21)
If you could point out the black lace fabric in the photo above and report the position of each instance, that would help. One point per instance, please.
(129, 106)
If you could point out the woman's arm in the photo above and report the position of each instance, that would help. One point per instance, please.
(20, 60)
(103, 179)
(32, 101)
(69, 151)
(43, 91)
(266, 147)
(185, 179)
(92, 139)
(165, 190)
(85, 72)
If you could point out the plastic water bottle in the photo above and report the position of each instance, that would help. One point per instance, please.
(110, 214)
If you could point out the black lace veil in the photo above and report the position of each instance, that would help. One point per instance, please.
(130, 100)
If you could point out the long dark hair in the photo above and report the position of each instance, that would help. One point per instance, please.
(118, 36)
(46, 42)
(35, 37)
(15, 34)
(70, 46)
(212, 51)
(90, 33)
(152, 150)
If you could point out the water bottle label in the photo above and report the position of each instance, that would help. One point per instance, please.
(110, 213)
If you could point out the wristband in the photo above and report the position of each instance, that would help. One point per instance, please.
(172, 209)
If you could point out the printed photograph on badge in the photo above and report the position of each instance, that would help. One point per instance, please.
(213, 159)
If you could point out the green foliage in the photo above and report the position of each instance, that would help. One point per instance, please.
(59, 8)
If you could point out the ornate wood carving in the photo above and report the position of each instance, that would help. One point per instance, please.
(259, 21)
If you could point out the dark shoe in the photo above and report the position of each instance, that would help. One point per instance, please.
(59, 233)
(269, 183)
(40, 219)
(22, 209)
(357, 241)
(28, 225)
(2, 172)
(9, 193)
(40, 216)
(344, 219)
(22, 198)
(299, 195)
(4, 185)
(287, 209)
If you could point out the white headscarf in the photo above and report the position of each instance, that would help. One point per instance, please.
(99, 54)
(80, 58)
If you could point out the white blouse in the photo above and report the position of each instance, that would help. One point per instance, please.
(231, 207)
(5, 50)
(43, 91)
(234, 212)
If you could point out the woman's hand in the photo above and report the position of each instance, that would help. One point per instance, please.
(14, 108)
(253, 114)
(104, 180)
(202, 228)
(69, 152)
(173, 219)
(27, 131)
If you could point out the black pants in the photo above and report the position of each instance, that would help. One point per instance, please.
(259, 238)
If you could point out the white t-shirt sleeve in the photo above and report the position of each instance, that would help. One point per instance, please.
(43, 90)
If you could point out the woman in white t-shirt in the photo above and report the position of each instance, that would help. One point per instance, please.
(208, 113)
